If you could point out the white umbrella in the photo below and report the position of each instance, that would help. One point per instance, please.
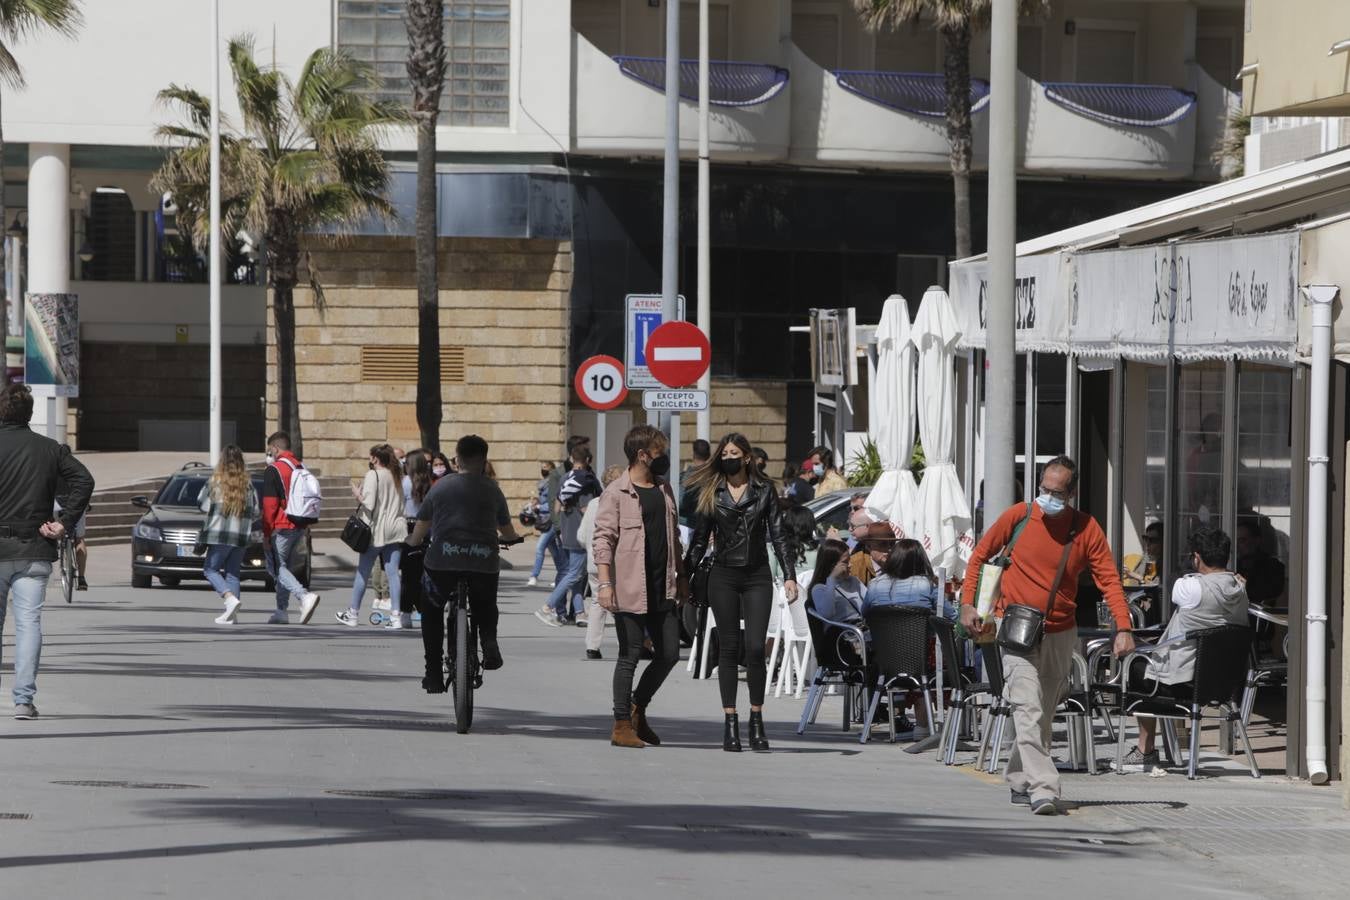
(943, 514)
(891, 416)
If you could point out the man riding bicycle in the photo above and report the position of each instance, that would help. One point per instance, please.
(466, 515)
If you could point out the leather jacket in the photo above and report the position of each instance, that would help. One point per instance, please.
(742, 532)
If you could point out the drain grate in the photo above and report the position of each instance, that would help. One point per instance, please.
(401, 795)
(744, 831)
(139, 785)
(19, 817)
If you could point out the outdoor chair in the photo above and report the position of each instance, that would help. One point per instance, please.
(1221, 659)
(900, 660)
(837, 664)
(965, 691)
(1262, 672)
(999, 709)
(792, 647)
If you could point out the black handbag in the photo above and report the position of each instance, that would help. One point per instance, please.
(356, 533)
(1023, 626)
(698, 583)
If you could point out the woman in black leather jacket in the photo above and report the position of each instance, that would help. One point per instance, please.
(738, 510)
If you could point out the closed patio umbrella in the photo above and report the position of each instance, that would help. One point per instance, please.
(944, 520)
(891, 414)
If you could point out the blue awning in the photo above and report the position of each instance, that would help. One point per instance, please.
(1138, 105)
(729, 83)
(920, 93)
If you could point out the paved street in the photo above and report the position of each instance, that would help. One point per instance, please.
(182, 759)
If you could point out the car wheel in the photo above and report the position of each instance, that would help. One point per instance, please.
(140, 581)
(169, 581)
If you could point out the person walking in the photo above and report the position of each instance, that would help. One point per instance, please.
(417, 482)
(579, 489)
(701, 450)
(829, 478)
(281, 533)
(546, 522)
(381, 507)
(739, 514)
(231, 507)
(596, 615)
(641, 579)
(37, 473)
(1056, 544)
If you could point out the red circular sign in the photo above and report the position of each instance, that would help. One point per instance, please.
(599, 382)
(678, 354)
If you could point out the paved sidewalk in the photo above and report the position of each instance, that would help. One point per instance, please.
(178, 758)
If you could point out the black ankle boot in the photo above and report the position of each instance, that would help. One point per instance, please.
(757, 739)
(731, 734)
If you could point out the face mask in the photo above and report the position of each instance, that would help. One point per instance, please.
(1051, 506)
(660, 465)
(730, 466)
(818, 470)
(543, 473)
(438, 471)
(271, 458)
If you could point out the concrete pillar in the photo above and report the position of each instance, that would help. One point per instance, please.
(49, 252)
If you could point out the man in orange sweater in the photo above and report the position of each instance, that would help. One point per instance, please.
(1035, 682)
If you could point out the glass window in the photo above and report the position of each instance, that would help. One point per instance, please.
(1200, 436)
(478, 42)
(1264, 480)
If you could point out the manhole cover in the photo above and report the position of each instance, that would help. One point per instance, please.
(401, 795)
(743, 831)
(140, 785)
(16, 816)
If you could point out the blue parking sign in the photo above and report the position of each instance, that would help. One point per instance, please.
(642, 316)
(644, 323)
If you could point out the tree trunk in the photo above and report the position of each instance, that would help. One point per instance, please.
(428, 300)
(4, 233)
(288, 397)
(956, 69)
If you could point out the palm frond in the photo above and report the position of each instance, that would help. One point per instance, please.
(20, 19)
(11, 73)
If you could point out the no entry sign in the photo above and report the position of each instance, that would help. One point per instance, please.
(678, 354)
(599, 382)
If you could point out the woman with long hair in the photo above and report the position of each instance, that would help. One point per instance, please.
(416, 483)
(381, 507)
(835, 594)
(231, 507)
(906, 579)
(739, 514)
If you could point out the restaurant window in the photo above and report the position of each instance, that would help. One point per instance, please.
(1199, 454)
(1264, 480)
(478, 45)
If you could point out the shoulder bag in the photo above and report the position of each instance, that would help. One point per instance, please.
(1024, 626)
(356, 534)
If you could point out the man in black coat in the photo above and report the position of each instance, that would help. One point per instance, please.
(35, 473)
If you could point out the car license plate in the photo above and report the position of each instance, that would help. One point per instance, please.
(188, 550)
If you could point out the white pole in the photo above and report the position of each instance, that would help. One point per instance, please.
(670, 225)
(49, 256)
(704, 426)
(214, 251)
(1315, 647)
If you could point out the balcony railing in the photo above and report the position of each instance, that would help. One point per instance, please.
(919, 93)
(729, 83)
(1133, 105)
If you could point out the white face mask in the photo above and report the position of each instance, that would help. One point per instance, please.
(438, 471)
(271, 458)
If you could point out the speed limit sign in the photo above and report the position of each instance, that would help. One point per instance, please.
(599, 382)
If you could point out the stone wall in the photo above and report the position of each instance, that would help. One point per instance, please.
(503, 304)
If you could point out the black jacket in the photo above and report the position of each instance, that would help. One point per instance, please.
(742, 530)
(34, 472)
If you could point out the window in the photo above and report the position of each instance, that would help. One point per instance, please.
(1030, 51)
(1105, 53)
(1264, 479)
(478, 54)
(111, 235)
(1217, 53)
(817, 35)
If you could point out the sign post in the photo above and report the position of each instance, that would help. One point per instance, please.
(600, 385)
(677, 354)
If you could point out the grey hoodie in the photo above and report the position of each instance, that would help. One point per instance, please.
(1201, 601)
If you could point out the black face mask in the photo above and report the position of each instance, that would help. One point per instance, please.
(660, 465)
(730, 466)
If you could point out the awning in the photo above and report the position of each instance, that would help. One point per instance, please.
(920, 93)
(1135, 105)
(729, 83)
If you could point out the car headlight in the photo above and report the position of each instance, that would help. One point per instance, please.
(146, 532)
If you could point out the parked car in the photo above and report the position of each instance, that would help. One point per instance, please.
(164, 541)
(831, 510)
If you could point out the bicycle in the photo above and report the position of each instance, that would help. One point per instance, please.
(65, 559)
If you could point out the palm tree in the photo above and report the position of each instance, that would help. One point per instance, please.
(18, 20)
(956, 21)
(426, 72)
(305, 158)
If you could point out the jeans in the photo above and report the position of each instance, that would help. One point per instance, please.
(663, 628)
(223, 562)
(24, 580)
(736, 593)
(570, 580)
(548, 541)
(438, 607)
(389, 556)
(1033, 685)
(277, 549)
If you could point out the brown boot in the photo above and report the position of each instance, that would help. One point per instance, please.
(624, 736)
(642, 727)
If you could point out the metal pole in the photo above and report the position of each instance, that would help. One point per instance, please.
(1000, 352)
(214, 252)
(601, 438)
(670, 226)
(704, 428)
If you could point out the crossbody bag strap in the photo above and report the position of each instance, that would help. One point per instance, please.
(1006, 552)
(1059, 573)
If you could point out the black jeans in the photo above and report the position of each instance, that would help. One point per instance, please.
(736, 593)
(664, 629)
(482, 603)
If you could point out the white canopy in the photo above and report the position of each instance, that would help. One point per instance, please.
(943, 514)
(891, 414)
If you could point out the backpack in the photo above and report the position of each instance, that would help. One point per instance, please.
(304, 497)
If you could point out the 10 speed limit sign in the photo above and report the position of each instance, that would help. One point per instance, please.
(599, 382)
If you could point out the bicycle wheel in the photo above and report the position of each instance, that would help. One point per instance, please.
(463, 668)
(67, 569)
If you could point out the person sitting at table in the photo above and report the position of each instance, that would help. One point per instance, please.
(1208, 597)
(875, 541)
(1142, 568)
(1263, 573)
(835, 594)
(906, 579)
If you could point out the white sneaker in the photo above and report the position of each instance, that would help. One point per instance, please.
(280, 617)
(547, 616)
(554, 583)
(232, 605)
(349, 618)
(533, 582)
(381, 603)
(394, 622)
(308, 604)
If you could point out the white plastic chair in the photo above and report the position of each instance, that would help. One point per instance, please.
(791, 640)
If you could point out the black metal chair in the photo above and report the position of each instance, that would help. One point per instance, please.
(1222, 654)
(965, 691)
(999, 710)
(899, 657)
(837, 663)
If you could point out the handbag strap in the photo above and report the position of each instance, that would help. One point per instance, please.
(1059, 573)
(1017, 533)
